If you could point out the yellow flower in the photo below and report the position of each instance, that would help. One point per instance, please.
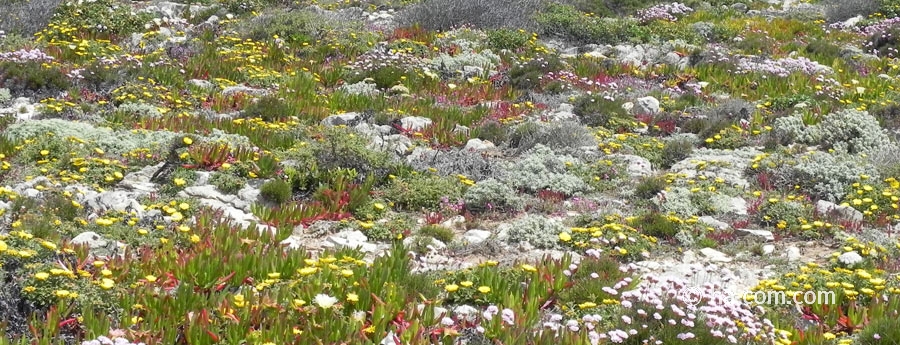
(466, 283)
(239, 301)
(3, 247)
(529, 268)
(828, 336)
(177, 216)
(62, 293)
(352, 297)
(107, 283)
(195, 238)
(187, 141)
(451, 287)
(484, 289)
(379, 206)
(41, 276)
(565, 237)
(587, 305)
(150, 278)
(179, 182)
(307, 271)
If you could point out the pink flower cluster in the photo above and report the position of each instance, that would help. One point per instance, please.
(704, 310)
(24, 55)
(666, 12)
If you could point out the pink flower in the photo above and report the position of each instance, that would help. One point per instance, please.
(686, 336)
(508, 316)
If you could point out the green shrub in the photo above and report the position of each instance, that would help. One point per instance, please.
(507, 39)
(665, 31)
(339, 148)
(269, 108)
(387, 77)
(562, 136)
(389, 230)
(602, 175)
(30, 79)
(527, 76)
(685, 202)
(371, 210)
(649, 186)
(613, 8)
(888, 8)
(170, 187)
(847, 131)
(420, 191)
(839, 10)
(568, 22)
(438, 232)
(492, 131)
(884, 326)
(824, 50)
(658, 225)
(542, 169)
(26, 17)
(727, 139)
(471, 164)
(227, 183)
(821, 175)
(776, 210)
(536, 230)
(675, 151)
(110, 17)
(5, 97)
(597, 111)
(294, 27)
(492, 195)
(248, 6)
(443, 15)
(787, 102)
(276, 191)
(706, 126)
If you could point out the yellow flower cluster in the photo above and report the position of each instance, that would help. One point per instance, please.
(876, 200)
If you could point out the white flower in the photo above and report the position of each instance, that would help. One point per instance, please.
(359, 316)
(850, 258)
(325, 301)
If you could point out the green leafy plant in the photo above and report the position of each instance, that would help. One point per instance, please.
(227, 183)
(437, 232)
(277, 191)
